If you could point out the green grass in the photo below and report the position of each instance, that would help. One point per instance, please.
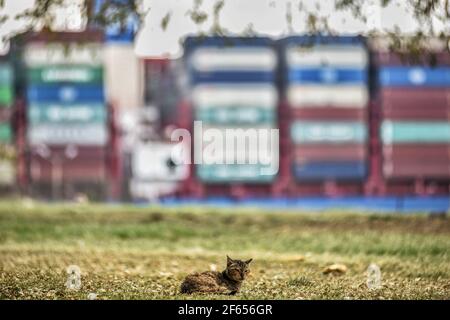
(143, 253)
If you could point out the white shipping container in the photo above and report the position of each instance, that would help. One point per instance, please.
(331, 95)
(242, 59)
(61, 134)
(232, 95)
(39, 54)
(327, 55)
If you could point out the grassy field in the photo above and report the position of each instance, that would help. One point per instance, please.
(144, 253)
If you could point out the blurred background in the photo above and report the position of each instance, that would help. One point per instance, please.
(90, 92)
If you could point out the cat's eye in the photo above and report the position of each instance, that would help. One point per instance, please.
(247, 271)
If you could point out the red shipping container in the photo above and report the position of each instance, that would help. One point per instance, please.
(415, 98)
(80, 164)
(45, 37)
(403, 169)
(349, 152)
(416, 114)
(417, 152)
(82, 151)
(5, 114)
(71, 170)
(330, 113)
(390, 58)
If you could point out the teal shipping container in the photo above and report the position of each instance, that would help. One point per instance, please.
(306, 132)
(236, 115)
(415, 132)
(82, 74)
(58, 113)
(218, 173)
(5, 133)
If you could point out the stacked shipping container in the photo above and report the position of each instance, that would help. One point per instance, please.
(67, 116)
(7, 166)
(326, 86)
(415, 108)
(233, 86)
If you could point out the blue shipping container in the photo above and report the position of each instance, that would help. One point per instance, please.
(414, 76)
(328, 170)
(65, 93)
(328, 75)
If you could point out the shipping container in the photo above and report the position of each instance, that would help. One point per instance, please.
(330, 170)
(61, 134)
(248, 173)
(84, 152)
(236, 115)
(441, 58)
(6, 95)
(6, 74)
(77, 163)
(207, 59)
(416, 113)
(5, 114)
(233, 86)
(220, 63)
(54, 53)
(330, 113)
(391, 76)
(66, 114)
(5, 132)
(426, 98)
(235, 95)
(340, 55)
(330, 152)
(417, 152)
(354, 96)
(413, 169)
(79, 169)
(57, 74)
(327, 75)
(415, 132)
(65, 93)
(308, 132)
(65, 38)
(231, 76)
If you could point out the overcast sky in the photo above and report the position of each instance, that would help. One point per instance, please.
(268, 17)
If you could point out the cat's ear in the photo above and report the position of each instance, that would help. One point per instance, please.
(229, 260)
(248, 261)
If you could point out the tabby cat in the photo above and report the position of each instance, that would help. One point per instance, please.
(228, 281)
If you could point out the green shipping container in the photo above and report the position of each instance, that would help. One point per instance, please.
(305, 132)
(236, 115)
(222, 173)
(5, 133)
(6, 75)
(6, 96)
(65, 73)
(55, 113)
(415, 132)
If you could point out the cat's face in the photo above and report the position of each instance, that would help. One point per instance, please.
(237, 270)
